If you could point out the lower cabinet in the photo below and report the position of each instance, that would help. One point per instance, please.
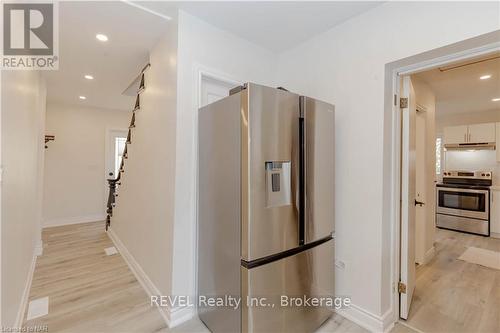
(495, 213)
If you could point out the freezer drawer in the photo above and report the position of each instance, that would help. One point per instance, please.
(308, 273)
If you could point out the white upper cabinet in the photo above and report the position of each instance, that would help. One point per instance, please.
(482, 133)
(477, 133)
(498, 142)
(455, 134)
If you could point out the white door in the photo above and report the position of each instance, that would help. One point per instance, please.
(212, 89)
(408, 191)
(115, 144)
(420, 180)
(482, 133)
(455, 134)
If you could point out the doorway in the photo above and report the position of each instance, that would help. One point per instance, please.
(212, 89)
(394, 113)
(115, 144)
(450, 278)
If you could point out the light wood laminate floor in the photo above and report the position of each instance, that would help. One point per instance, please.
(452, 295)
(88, 291)
(91, 292)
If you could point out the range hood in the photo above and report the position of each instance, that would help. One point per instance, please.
(471, 146)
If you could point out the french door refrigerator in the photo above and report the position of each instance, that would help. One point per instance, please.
(265, 210)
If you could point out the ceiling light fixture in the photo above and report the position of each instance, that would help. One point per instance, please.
(485, 77)
(82, 97)
(101, 37)
(89, 77)
(496, 99)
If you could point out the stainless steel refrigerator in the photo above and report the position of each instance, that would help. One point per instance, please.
(265, 209)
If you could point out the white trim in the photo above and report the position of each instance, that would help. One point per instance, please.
(429, 255)
(422, 66)
(203, 71)
(368, 320)
(73, 220)
(171, 316)
(395, 74)
(494, 235)
(109, 151)
(39, 248)
(401, 322)
(26, 292)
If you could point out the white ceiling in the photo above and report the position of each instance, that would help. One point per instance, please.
(132, 32)
(114, 64)
(460, 90)
(274, 25)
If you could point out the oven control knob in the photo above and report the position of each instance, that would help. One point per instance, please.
(483, 174)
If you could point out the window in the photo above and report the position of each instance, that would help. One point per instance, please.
(438, 155)
(119, 148)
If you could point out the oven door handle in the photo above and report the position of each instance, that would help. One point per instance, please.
(419, 203)
(464, 190)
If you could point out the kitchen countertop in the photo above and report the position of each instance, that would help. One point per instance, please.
(496, 187)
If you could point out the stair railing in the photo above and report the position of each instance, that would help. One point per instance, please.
(115, 183)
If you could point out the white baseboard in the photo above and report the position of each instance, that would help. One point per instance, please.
(39, 248)
(494, 235)
(73, 220)
(368, 320)
(429, 255)
(26, 292)
(171, 316)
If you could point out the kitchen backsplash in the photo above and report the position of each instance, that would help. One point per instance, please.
(472, 161)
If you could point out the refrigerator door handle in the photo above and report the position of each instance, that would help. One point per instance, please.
(302, 174)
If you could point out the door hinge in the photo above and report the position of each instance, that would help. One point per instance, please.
(403, 103)
(395, 100)
(401, 288)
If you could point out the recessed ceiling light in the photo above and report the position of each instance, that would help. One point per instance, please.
(82, 97)
(89, 77)
(101, 37)
(485, 77)
(496, 99)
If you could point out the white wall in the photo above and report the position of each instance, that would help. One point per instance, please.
(144, 213)
(23, 113)
(491, 116)
(74, 175)
(203, 47)
(345, 66)
(426, 98)
(474, 160)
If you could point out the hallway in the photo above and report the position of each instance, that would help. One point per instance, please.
(88, 291)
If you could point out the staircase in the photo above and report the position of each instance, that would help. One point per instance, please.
(114, 183)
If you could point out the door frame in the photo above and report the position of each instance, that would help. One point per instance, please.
(467, 49)
(421, 111)
(107, 151)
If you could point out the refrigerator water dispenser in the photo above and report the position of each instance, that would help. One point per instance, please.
(278, 187)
